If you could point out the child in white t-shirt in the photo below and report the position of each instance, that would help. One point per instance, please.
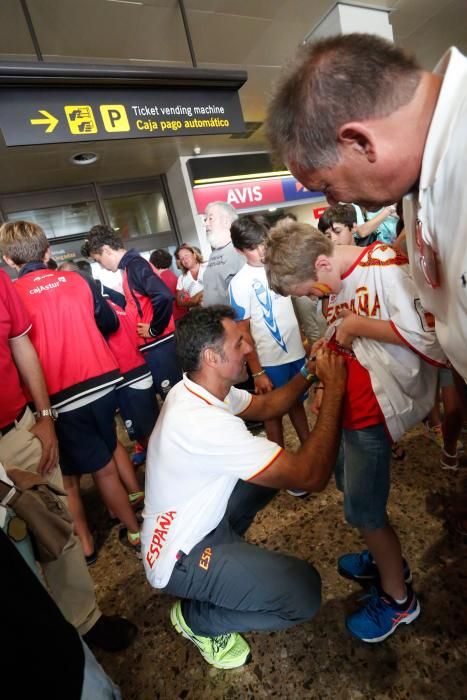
(269, 319)
(392, 356)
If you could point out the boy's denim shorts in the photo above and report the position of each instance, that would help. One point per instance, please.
(445, 378)
(362, 473)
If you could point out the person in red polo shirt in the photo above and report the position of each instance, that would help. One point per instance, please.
(30, 443)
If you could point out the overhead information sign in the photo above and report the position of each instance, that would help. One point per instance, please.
(62, 115)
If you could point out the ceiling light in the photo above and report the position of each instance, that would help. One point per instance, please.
(127, 2)
(250, 176)
(84, 158)
(272, 209)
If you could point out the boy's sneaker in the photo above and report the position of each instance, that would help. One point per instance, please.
(225, 651)
(435, 434)
(138, 458)
(380, 617)
(362, 568)
(130, 541)
(298, 493)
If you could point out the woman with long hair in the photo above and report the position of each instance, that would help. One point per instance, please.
(190, 283)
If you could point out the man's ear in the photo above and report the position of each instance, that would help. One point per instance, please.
(46, 256)
(10, 262)
(210, 357)
(359, 138)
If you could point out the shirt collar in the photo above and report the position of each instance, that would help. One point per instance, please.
(204, 394)
(453, 68)
(32, 267)
(128, 257)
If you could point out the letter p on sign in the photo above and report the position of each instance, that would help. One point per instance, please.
(114, 118)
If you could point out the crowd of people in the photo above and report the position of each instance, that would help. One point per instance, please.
(366, 314)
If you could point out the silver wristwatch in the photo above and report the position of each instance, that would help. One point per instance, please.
(51, 412)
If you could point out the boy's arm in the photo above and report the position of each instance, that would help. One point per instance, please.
(262, 382)
(142, 278)
(311, 466)
(371, 225)
(354, 326)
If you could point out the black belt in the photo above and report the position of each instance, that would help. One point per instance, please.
(6, 428)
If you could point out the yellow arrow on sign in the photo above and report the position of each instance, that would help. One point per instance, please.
(48, 119)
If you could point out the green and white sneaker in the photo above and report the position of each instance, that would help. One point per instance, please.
(224, 651)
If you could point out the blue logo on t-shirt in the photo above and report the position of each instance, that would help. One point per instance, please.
(264, 298)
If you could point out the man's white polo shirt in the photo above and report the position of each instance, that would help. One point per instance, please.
(442, 209)
(197, 452)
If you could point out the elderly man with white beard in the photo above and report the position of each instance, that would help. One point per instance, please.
(224, 261)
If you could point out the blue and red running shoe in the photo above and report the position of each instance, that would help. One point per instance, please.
(138, 457)
(362, 568)
(381, 616)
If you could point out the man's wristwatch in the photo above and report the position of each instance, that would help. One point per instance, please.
(50, 412)
(309, 376)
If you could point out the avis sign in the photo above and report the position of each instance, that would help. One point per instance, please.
(241, 195)
(252, 193)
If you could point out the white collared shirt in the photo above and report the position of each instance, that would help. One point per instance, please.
(442, 210)
(197, 452)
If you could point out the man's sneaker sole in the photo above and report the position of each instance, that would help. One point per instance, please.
(237, 663)
(405, 619)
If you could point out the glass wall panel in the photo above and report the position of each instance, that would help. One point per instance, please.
(138, 215)
(62, 221)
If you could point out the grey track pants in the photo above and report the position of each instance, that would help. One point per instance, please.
(228, 585)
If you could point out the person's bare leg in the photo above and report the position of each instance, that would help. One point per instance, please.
(115, 496)
(452, 422)
(385, 548)
(76, 507)
(125, 469)
(299, 421)
(274, 430)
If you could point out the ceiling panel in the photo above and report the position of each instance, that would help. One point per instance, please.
(15, 35)
(410, 15)
(231, 36)
(265, 9)
(103, 29)
(435, 34)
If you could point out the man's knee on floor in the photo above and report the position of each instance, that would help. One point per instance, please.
(304, 592)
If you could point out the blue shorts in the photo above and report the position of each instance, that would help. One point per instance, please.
(163, 363)
(446, 378)
(281, 374)
(139, 410)
(362, 472)
(87, 437)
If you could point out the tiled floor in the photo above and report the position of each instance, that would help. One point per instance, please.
(427, 660)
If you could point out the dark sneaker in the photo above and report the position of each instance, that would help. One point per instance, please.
(381, 616)
(111, 633)
(298, 493)
(224, 651)
(91, 558)
(362, 568)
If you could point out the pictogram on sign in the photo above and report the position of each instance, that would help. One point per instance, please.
(114, 118)
(80, 119)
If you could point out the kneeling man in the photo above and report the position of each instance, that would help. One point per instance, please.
(207, 477)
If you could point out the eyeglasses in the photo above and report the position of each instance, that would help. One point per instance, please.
(428, 259)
